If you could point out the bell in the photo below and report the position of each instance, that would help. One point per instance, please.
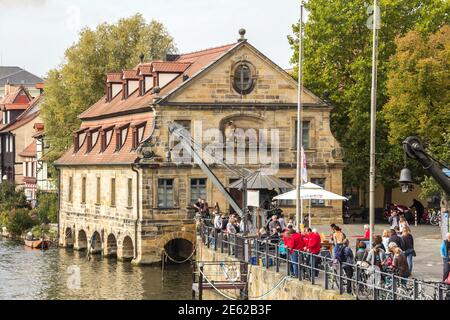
(405, 176)
(405, 180)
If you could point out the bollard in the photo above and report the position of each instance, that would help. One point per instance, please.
(257, 251)
(358, 276)
(312, 264)
(416, 289)
(288, 258)
(394, 288)
(341, 279)
(277, 258)
(325, 278)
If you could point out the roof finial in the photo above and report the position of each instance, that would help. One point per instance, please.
(141, 57)
(242, 34)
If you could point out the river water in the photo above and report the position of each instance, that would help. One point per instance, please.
(34, 274)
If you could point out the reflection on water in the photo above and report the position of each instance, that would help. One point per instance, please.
(34, 274)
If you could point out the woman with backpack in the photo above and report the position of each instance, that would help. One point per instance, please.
(347, 260)
(376, 256)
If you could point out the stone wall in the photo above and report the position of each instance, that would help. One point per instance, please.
(262, 280)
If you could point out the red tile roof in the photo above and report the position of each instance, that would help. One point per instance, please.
(126, 155)
(115, 77)
(169, 66)
(145, 69)
(29, 151)
(130, 74)
(197, 61)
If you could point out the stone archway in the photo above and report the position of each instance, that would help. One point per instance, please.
(95, 243)
(179, 249)
(127, 249)
(111, 246)
(81, 240)
(68, 238)
(180, 244)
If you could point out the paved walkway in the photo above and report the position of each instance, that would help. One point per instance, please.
(427, 240)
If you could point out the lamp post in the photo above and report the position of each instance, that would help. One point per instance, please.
(373, 111)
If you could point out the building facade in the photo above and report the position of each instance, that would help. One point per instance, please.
(121, 187)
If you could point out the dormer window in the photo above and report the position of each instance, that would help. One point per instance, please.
(113, 85)
(133, 85)
(138, 134)
(121, 136)
(92, 137)
(106, 137)
(148, 84)
(79, 139)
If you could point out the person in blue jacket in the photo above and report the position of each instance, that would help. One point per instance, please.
(445, 254)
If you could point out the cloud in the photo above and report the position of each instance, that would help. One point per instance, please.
(22, 3)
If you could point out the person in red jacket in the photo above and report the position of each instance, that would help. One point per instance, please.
(294, 243)
(305, 239)
(313, 247)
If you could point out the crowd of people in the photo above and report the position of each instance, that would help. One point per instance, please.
(391, 252)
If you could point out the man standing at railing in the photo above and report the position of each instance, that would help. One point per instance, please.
(313, 246)
(294, 242)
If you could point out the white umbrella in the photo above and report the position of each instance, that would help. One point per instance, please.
(310, 191)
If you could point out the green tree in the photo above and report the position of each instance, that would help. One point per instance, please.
(418, 87)
(79, 81)
(47, 209)
(11, 198)
(338, 59)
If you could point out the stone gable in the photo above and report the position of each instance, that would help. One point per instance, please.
(273, 85)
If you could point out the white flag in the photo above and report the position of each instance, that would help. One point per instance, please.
(304, 172)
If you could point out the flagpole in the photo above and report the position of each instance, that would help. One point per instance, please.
(298, 201)
(373, 110)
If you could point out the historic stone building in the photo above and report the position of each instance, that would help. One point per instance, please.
(119, 185)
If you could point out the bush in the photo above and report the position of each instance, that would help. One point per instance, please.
(19, 220)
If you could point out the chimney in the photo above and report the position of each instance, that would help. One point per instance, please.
(8, 87)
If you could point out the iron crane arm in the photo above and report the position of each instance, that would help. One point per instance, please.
(414, 149)
(188, 145)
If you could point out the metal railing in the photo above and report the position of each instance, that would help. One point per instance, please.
(365, 283)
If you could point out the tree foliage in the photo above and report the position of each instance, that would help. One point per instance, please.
(47, 209)
(338, 59)
(80, 80)
(419, 102)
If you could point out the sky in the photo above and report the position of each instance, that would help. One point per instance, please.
(35, 33)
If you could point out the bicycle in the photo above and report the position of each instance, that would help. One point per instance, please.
(434, 217)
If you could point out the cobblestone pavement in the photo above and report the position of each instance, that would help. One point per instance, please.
(427, 240)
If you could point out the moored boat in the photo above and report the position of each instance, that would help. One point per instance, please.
(37, 244)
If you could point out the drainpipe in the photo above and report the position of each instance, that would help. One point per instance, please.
(59, 201)
(136, 170)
